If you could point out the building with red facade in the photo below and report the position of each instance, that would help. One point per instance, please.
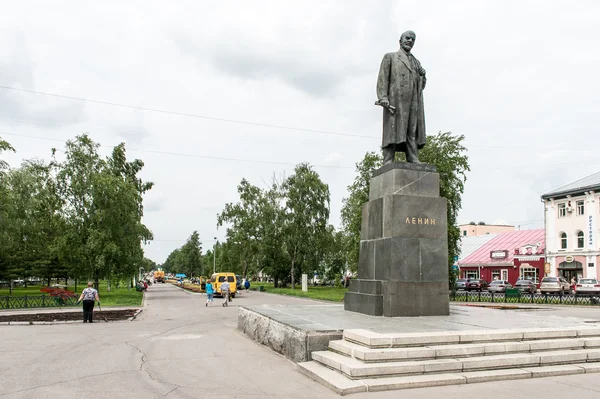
(507, 256)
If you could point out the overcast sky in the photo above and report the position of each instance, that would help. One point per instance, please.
(518, 78)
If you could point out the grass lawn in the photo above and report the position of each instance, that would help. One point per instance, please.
(116, 296)
(333, 294)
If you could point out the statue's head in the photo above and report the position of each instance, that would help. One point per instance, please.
(407, 40)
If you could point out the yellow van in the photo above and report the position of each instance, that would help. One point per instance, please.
(218, 278)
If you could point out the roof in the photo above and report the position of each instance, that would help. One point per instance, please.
(588, 182)
(504, 241)
(470, 244)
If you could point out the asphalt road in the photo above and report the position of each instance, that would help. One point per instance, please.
(178, 348)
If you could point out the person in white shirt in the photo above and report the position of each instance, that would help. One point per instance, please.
(225, 286)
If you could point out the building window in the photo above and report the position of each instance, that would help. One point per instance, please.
(562, 210)
(590, 265)
(495, 274)
(580, 240)
(472, 274)
(529, 273)
(563, 240)
(580, 208)
(465, 233)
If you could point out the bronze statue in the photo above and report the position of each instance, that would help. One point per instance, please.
(400, 87)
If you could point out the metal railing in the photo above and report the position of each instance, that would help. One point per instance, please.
(523, 297)
(35, 301)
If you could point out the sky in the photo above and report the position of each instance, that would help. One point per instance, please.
(208, 93)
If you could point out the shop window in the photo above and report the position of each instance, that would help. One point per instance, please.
(504, 274)
(580, 240)
(495, 275)
(562, 210)
(472, 274)
(529, 273)
(580, 208)
(563, 240)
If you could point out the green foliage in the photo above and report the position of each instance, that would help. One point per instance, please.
(352, 206)
(307, 203)
(79, 218)
(446, 152)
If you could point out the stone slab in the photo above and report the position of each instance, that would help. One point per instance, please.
(552, 371)
(421, 167)
(495, 375)
(413, 381)
(563, 356)
(405, 182)
(405, 299)
(589, 367)
(294, 343)
(331, 379)
(367, 304)
(500, 361)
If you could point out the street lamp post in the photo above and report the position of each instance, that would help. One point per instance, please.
(215, 256)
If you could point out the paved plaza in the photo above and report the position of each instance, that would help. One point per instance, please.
(178, 348)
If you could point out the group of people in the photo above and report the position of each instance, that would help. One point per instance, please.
(210, 292)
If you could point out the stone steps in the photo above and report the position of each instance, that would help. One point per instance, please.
(344, 386)
(367, 354)
(368, 361)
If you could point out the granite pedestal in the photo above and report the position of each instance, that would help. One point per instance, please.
(403, 261)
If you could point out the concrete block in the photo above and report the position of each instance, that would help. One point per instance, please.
(563, 356)
(424, 339)
(592, 342)
(500, 361)
(548, 333)
(553, 371)
(381, 355)
(464, 350)
(368, 338)
(495, 375)
(589, 367)
(490, 336)
(505, 347)
(557, 344)
(588, 332)
(441, 365)
(593, 355)
(331, 379)
(371, 287)
(413, 381)
(343, 347)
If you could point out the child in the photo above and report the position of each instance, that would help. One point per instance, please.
(209, 292)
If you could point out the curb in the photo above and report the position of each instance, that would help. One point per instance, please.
(132, 318)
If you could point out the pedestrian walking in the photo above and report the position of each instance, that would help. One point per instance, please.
(225, 286)
(89, 296)
(209, 292)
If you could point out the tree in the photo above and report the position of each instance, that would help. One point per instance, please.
(103, 211)
(446, 152)
(307, 203)
(191, 255)
(244, 222)
(351, 213)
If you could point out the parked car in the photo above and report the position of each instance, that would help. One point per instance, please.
(461, 284)
(477, 285)
(557, 285)
(586, 286)
(499, 286)
(528, 286)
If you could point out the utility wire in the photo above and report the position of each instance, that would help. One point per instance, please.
(297, 129)
(185, 113)
(180, 154)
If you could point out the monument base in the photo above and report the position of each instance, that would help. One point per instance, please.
(403, 261)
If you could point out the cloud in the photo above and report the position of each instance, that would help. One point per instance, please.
(16, 70)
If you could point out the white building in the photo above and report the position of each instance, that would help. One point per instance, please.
(570, 216)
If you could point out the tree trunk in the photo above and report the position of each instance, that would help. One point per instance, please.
(75, 290)
(49, 280)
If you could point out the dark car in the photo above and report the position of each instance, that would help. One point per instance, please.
(526, 286)
(477, 285)
(461, 284)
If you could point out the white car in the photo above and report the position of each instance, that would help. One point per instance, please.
(587, 286)
(557, 285)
